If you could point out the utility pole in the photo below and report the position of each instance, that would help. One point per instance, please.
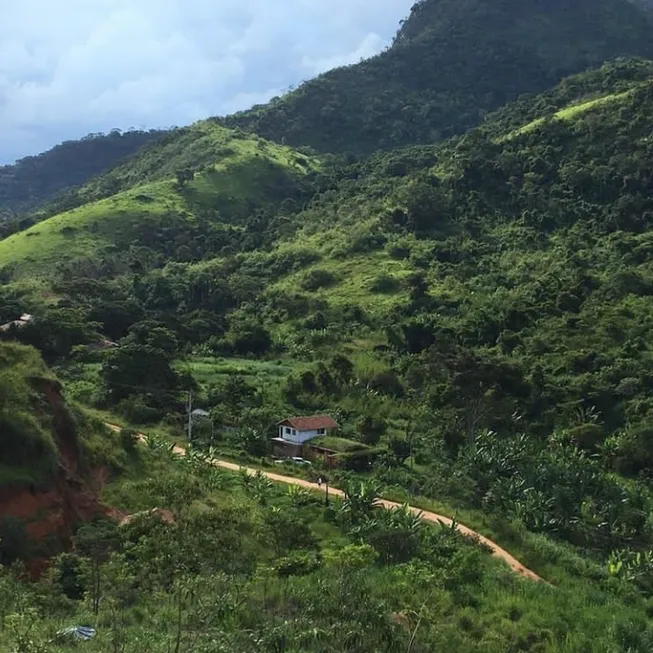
(190, 415)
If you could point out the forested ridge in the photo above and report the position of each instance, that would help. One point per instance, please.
(34, 180)
(451, 63)
(474, 311)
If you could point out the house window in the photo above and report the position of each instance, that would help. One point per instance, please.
(287, 430)
(294, 431)
(321, 431)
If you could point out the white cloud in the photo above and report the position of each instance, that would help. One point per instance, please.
(368, 47)
(78, 66)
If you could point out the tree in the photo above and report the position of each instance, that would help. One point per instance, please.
(95, 541)
(400, 448)
(136, 369)
(359, 501)
(483, 388)
(371, 429)
(251, 338)
(342, 368)
(184, 176)
(253, 440)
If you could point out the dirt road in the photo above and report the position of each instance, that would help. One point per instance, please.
(433, 517)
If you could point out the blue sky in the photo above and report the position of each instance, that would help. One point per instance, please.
(78, 66)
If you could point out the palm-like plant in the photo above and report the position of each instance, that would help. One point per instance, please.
(359, 501)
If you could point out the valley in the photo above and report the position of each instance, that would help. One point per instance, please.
(443, 255)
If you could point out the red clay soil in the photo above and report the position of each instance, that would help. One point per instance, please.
(433, 517)
(54, 511)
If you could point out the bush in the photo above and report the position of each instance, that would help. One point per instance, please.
(388, 383)
(129, 440)
(252, 339)
(298, 563)
(13, 540)
(358, 461)
(384, 283)
(137, 410)
(317, 279)
(587, 436)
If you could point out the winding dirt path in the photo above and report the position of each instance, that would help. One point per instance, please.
(426, 515)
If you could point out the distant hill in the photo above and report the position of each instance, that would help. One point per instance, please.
(528, 238)
(452, 62)
(36, 179)
(193, 190)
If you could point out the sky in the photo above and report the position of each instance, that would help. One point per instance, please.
(74, 67)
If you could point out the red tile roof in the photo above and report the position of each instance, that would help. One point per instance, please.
(310, 423)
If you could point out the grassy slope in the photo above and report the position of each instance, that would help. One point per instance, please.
(233, 173)
(27, 448)
(37, 179)
(483, 607)
(572, 111)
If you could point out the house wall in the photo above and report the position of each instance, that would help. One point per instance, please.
(299, 437)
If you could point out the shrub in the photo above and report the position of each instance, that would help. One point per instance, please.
(388, 383)
(399, 249)
(384, 283)
(358, 461)
(13, 540)
(129, 440)
(587, 436)
(252, 339)
(317, 279)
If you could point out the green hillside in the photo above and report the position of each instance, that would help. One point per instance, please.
(37, 179)
(498, 283)
(233, 178)
(475, 312)
(450, 64)
(36, 425)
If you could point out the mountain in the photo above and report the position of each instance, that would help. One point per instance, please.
(36, 179)
(451, 62)
(195, 189)
(526, 239)
(475, 313)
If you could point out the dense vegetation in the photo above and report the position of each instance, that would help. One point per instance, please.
(500, 281)
(476, 313)
(187, 197)
(450, 64)
(239, 564)
(36, 421)
(37, 179)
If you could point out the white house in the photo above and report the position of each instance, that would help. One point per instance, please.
(297, 430)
